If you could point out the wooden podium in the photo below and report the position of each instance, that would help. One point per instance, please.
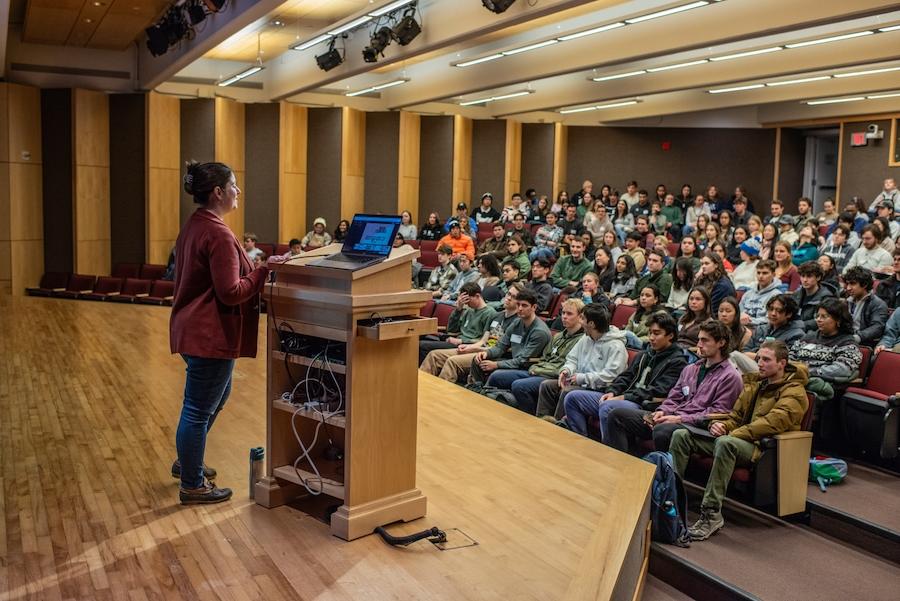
(335, 310)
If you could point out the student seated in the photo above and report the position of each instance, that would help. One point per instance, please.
(521, 229)
(568, 270)
(548, 238)
(811, 293)
(496, 244)
(595, 361)
(782, 323)
(696, 313)
(730, 316)
(634, 250)
(625, 278)
(441, 276)
(771, 402)
(637, 329)
(709, 386)
(870, 255)
(656, 274)
(540, 268)
(869, 312)
(250, 246)
(318, 236)
(509, 275)
(457, 241)
(469, 324)
(525, 338)
(296, 249)
(753, 303)
(651, 374)
(516, 249)
(715, 279)
(465, 273)
(889, 290)
(891, 339)
(525, 383)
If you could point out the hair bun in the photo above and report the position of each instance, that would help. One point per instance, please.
(188, 179)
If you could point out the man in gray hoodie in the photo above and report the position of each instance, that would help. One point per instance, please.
(753, 303)
(783, 323)
(593, 363)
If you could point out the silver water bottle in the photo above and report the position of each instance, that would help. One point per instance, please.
(257, 455)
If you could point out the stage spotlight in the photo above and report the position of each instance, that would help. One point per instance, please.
(195, 12)
(408, 28)
(377, 43)
(497, 6)
(158, 39)
(214, 5)
(330, 59)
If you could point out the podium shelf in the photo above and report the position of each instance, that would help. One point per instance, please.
(402, 327)
(329, 487)
(337, 368)
(338, 421)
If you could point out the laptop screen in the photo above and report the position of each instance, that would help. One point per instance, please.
(372, 234)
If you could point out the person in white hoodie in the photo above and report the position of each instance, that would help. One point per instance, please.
(744, 275)
(753, 303)
(593, 363)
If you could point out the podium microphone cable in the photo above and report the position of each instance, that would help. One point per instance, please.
(436, 536)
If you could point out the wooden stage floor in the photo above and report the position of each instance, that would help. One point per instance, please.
(89, 402)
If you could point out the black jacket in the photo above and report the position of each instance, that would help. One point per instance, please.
(665, 367)
(872, 322)
(544, 292)
(788, 334)
(889, 292)
(809, 304)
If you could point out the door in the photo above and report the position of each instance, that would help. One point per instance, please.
(820, 172)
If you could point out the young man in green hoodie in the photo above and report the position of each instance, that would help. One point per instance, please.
(568, 270)
(772, 402)
(468, 324)
(526, 383)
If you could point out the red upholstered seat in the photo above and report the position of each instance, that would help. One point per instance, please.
(632, 353)
(621, 314)
(52, 281)
(413, 243)
(161, 293)
(131, 289)
(442, 311)
(150, 271)
(78, 284)
(482, 236)
(428, 245)
(485, 226)
(126, 270)
(672, 249)
(266, 248)
(105, 287)
(428, 309)
(282, 249)
(429, 258)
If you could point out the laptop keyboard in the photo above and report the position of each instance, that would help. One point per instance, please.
(341, 257)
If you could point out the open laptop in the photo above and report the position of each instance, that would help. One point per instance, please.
(369, 240)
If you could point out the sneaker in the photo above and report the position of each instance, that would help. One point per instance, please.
(710, 522)
(551, 419)
(205, 495)
(208, 472)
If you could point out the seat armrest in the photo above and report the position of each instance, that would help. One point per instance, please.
(767, 443)
(141, 294)
(170, 297)
(58, 289)
(113, 293)
(793, 435)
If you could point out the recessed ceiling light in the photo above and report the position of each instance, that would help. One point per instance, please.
(678, 66)
(736, 88)
(728, 57)
(868, 72)
(619, 75)
(835, 100)
(389, 7)
(668, 11)
(791, 82)
(836, 38)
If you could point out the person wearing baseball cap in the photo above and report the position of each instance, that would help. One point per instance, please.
(466, 223)
(318, 236)
(457, 241)
(786, 231)
(486, 213)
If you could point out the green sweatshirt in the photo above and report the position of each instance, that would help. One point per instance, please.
(554, 356)
(521, 343)
(672, 215)
(470, 323)
(662, 280)
(567, 270)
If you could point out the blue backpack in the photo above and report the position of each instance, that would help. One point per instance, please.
(668, 502)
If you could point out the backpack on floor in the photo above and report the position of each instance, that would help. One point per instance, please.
(826, 470)
(668, 502)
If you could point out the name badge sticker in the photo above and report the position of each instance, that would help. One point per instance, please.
(515, 339)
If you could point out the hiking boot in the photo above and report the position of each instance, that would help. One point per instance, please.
(710, 522)
(205, 495)
(208, 472)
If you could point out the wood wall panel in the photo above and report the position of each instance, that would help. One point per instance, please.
(229, 149)
(560, 158)
(488, 148)
(292, 170)
(353, 163)
(90, 143)
(863, 169)
(513, 166)
(462, 163)
(408, 164)
(21, 174)
(163, 125)
(261, 208)
(382, 162)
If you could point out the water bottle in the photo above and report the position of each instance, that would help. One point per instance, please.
(669, 508)
(257, 454)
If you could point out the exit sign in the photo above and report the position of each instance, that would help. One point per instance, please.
(858, 139)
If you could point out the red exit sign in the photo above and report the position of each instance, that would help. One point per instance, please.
(858, 138)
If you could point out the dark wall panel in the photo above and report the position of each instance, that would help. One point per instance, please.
(864, 169)
(261, 178)
(127, 184)
(382, 161)
(790, 170)
(198, 140)
(488, 159)
(323, 185)
(56, 143)
(436, 166)
(697, 156)
(537, 158)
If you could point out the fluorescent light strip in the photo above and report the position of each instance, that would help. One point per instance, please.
(736, 89)
(495, 98)
(835, 100)
(667, 12)
(389, 7)
(350, 25)
(887, 29)
(530, 47)
(581, 34)
(791, 82)
(836, 38)
(380, 86)
(239, 76)
(619, 75)
(483, 59)
(310, 43)
(579, 110)
(869, 72)
(598, 107)
(678, 66)
(728, 57)
(879, 96)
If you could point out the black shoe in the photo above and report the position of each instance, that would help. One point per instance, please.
(208, 472)
(205, 495)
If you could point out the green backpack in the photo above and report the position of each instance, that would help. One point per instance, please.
(826, 470)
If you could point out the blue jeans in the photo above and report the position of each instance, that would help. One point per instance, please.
(206, 388)
(526, 392)
(632, 341)
(504, 378)
(584, 404)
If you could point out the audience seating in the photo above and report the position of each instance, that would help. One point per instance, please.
(556, 304)
(739, 294)
(823, 230)
(485, 226)
(534, 228)
(126, 270)
(105, 287)
(428, 245)
(52, 281)
(282, 249)
(161, 293)
(132, 288)
(266, 248)
(442, 311)
(78, 285)
(413, 243)
(428, 258)
(672, 248)
(482, 236)
(620, 315)
(632, 353)
(150, 271)
(428, 309)
(871, 414)
(491, 294)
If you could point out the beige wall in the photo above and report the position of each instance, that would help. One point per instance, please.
(90, 199)
(163, 119)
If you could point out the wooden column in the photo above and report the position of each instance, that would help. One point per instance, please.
(292, 170)
(560, 159)
(21, 207)
(90, 210)
(353, 163)
(513, 164)
(230, 150)
(462, 162)
(408, 164)
(164, 172)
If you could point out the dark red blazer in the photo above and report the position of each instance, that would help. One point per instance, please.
(215, 313)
